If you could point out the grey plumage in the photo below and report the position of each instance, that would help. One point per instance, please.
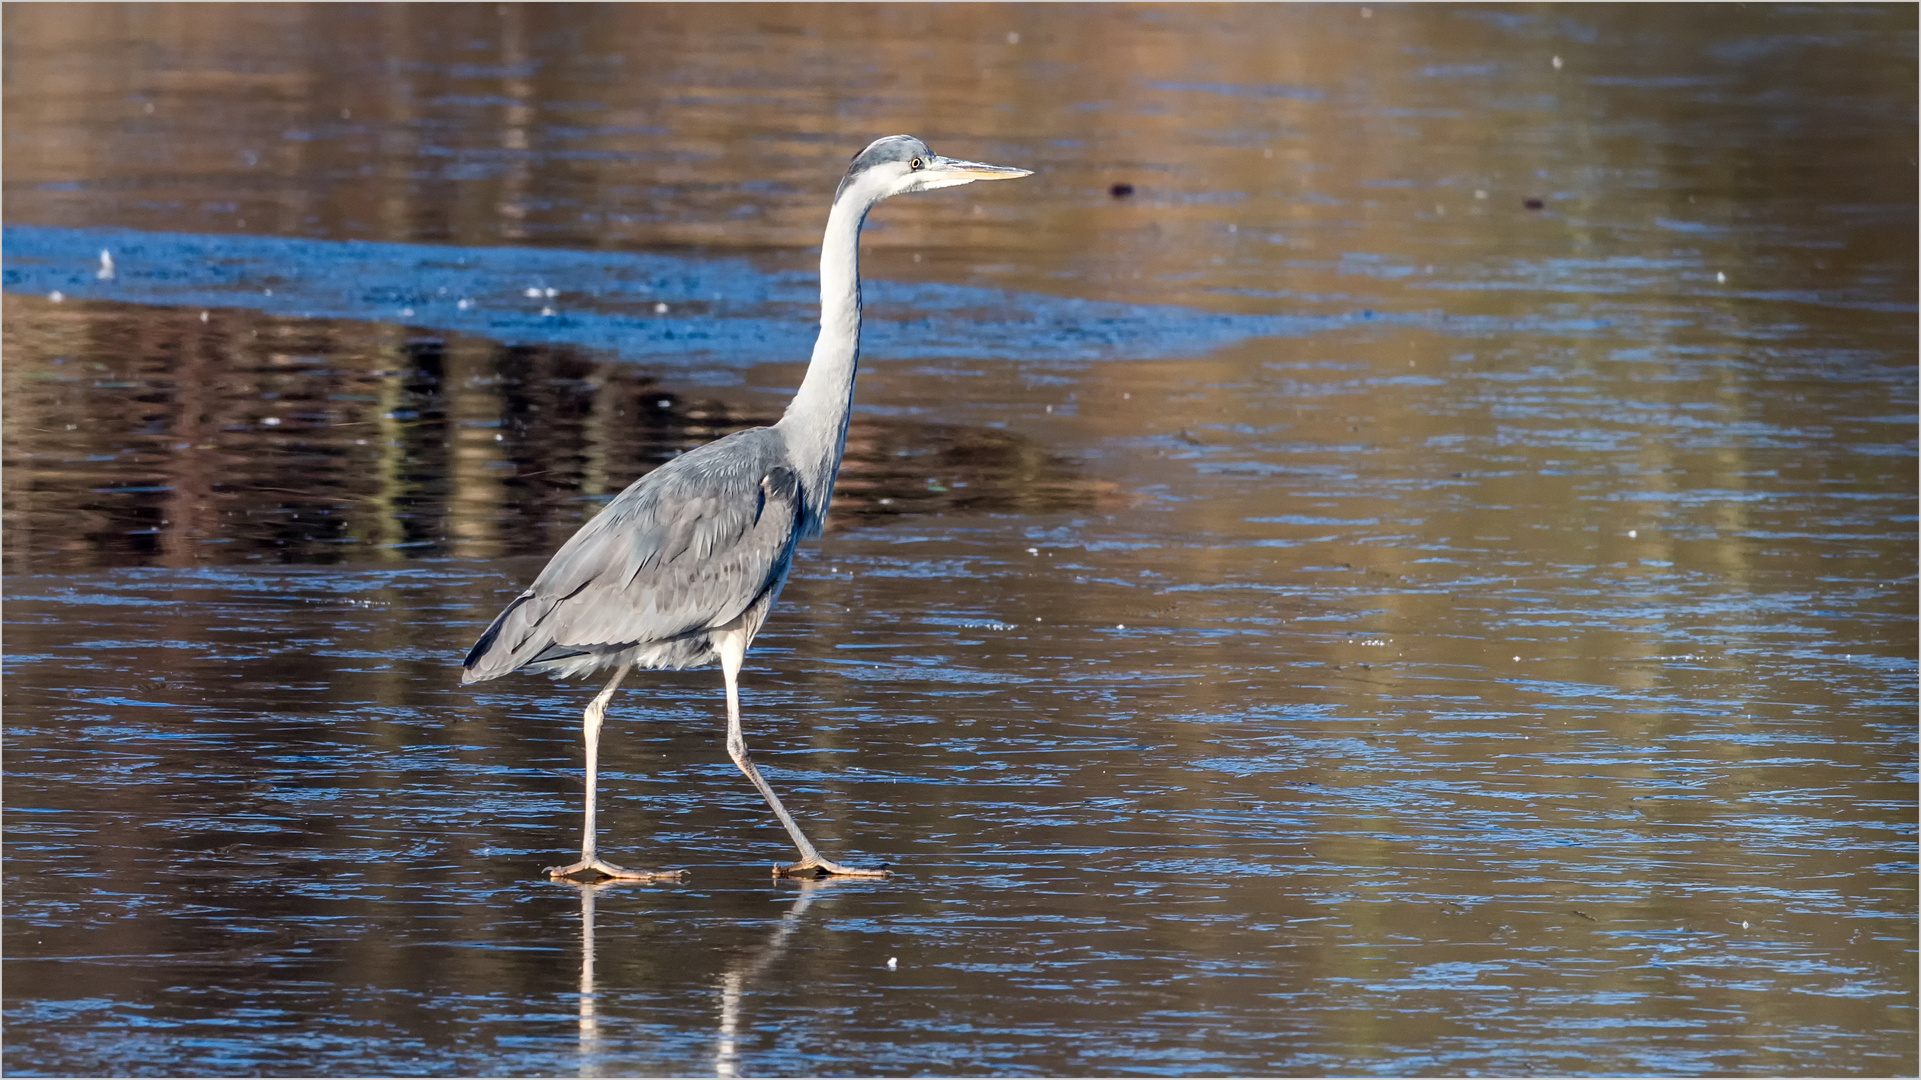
(686, 548)
(682, 567)
(892, 148)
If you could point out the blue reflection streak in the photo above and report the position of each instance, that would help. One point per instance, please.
(718, 311)
(604, 300)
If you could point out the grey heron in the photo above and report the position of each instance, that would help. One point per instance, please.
(680, 569)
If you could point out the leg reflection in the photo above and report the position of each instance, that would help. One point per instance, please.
(589, 1021)
(741, 977)
(590, 1048)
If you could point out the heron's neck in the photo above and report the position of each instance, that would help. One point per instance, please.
(815, 424)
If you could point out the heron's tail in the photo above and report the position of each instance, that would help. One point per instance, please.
(514, 639)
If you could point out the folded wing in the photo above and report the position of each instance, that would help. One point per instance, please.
(687, 547)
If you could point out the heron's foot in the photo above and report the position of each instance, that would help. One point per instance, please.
(604, 868)
(818, 867)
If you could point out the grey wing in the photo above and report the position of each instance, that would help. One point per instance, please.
(687, 547)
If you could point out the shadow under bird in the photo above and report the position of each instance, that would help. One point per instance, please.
(681, 569)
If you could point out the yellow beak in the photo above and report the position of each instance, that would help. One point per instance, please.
(962, 172)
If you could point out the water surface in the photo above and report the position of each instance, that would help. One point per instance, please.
(1320, 613)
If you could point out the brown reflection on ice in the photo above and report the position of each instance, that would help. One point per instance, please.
(673, 125)
(150, 435)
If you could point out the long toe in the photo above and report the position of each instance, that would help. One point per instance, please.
(603, 868)
(825, 868)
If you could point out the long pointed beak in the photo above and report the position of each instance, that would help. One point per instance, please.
(961, 172)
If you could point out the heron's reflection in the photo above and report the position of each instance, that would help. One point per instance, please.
(737, 980)
(741, 976)
(589, 1020)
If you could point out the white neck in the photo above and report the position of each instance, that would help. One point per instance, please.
(815, 424)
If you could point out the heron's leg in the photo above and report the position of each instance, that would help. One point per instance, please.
(590, 860)
(732, 646)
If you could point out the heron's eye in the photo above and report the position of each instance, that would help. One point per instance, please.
(916, 164)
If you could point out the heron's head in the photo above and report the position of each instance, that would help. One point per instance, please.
(899, 164)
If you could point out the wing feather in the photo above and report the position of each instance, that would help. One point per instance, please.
(687, 547)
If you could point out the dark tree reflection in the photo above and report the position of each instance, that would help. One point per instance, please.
(149, 435)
